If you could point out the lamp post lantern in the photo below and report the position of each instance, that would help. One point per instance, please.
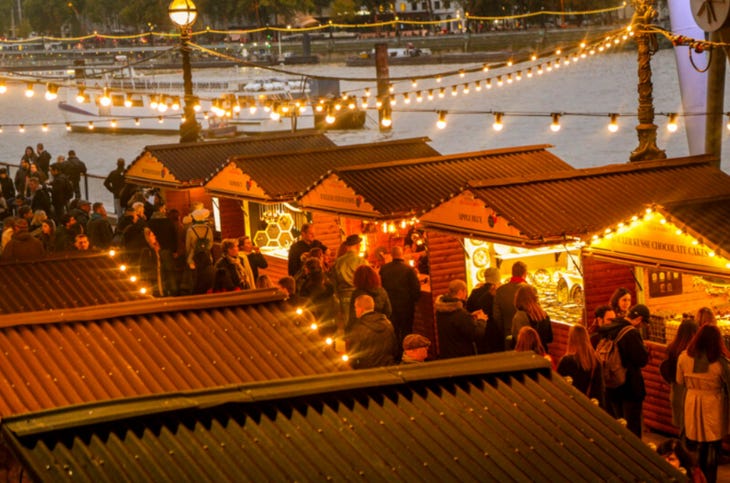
(183, 13)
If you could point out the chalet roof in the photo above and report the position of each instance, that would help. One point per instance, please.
(64, 282)
(413, 186)
(284, 176)
(706, 219)
(188, 164)
(585, 201)
(502, 417)
(53, 359)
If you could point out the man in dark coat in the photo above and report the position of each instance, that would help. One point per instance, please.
(61, 191)
(99, 228)
(7, 186)
(458, 330)
(401, 283)
(74, 169)
(114, 182)
(482, 298)
(371, 340)
(43, 161)
(306, 242)
(504, 303)
(163, 228)
(39, 197)
(626, 401)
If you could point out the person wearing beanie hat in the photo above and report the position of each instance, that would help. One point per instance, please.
(482, 298)
(626, 401)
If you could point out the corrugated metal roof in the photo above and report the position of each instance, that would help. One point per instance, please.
(503, 417)
(414, 186)
(64, 282)
(586, 201)
(59, 358)
(283, 176)
(706, 219)
(191, 163)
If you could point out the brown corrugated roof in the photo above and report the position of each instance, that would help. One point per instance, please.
(707, 220)
(283, 176)
(499, 418)
(586, 201)
(190, 163)
(64, 282)
(59, 358)
(414, 186)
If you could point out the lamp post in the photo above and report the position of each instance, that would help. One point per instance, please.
(183, 14)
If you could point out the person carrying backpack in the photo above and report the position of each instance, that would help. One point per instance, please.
(198, 242)
(625, 400)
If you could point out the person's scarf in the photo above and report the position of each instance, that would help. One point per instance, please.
(244, 282)
(517, 280)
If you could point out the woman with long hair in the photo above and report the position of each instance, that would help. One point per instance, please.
(47, 235)
(580, 363)
(620, 301)
(528, 340)
(705, 316)
(703, 370)
(685, 333)
(530, 314)
(367, 282)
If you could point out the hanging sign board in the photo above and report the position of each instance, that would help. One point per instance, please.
(234, 182)
(148, 168)
(334, 195)
(657, 241)
(468, 215)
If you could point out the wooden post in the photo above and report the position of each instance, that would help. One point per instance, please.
(715, 96)
(383, 76)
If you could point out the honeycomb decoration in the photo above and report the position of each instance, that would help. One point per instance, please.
(277, 233)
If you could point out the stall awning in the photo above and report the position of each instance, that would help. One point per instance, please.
(188, 165)
(282, 177)
(409, 188)
(563, 207)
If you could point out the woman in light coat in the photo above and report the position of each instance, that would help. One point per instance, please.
(703, 370)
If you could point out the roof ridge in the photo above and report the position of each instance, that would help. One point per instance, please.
(236, 140)
(348, 147)
(142, 307)
(607, 170)
(281, 389)
(446, 157)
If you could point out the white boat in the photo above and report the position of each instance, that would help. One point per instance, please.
(226, 108)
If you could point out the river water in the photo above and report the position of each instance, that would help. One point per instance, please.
(597, 85)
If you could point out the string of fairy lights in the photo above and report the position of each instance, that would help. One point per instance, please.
(405, 94)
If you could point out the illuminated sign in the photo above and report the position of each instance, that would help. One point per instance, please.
(467, 214)
(654, 238)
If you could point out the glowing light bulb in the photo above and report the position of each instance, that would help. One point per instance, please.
(441, 123)
(105, 100)
(555, 125)
(672, 123)
(3, 87)
(498, 125)
(29, 92)
(613, 125)
(44, 127)
(386, 122)
(51, 91)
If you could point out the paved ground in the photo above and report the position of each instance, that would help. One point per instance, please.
(723, 472)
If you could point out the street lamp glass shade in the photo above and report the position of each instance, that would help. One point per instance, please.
(182, 12)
